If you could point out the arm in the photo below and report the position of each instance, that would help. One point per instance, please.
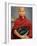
(21, 36)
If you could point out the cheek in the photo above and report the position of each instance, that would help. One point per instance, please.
(19, 12)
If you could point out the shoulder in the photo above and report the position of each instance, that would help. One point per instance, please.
(17, 20)
(28, 21)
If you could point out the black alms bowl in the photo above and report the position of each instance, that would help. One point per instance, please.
(22, 30)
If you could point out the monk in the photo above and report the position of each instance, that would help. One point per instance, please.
(22, 20)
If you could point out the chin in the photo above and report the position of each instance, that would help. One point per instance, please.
(21, 15)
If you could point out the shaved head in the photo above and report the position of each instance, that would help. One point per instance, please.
(21, 9)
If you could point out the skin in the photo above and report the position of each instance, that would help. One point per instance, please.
(21, 12)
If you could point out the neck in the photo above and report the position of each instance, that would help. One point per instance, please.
(23, 17)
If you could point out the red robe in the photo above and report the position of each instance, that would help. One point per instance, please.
(25, 22)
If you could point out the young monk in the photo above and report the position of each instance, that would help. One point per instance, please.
(22, 20)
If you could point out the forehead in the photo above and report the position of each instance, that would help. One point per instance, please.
(21, 9)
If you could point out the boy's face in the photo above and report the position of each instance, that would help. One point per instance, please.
(21, 11)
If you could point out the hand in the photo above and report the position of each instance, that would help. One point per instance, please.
(21, 36)
(24, 37)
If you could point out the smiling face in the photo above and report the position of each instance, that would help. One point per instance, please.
(21, 11)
